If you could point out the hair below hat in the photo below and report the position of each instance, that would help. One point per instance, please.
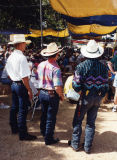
(92, 50)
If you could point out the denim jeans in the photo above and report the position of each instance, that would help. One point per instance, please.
(49, 104)
(90, 106)
(19, 108)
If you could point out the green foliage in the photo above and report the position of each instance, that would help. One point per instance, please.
(25, 14)
(3, 39)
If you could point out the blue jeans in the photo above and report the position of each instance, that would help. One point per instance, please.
(49, 104)
(90, 106)
(19, 108)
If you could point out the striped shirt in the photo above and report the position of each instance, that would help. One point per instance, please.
(49, 75)
(91, 75)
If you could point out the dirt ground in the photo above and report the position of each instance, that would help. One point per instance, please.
(104, 145)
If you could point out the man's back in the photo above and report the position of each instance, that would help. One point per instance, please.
(49, 75)
(17, 66)
(91, 75)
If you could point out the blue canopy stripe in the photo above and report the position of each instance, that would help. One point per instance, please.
(105, 20)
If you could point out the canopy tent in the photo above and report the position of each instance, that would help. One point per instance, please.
(48, 32)
(92, 18)
(85, 8)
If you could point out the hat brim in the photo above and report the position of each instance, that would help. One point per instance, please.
(45, 53)
(85, 53)
(15, 42)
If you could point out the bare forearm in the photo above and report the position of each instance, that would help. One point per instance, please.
(26, 83)
(59, 91)
(111, 67)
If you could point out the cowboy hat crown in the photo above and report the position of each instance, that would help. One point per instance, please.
(51, 49)
(92, 50)
(18, 38)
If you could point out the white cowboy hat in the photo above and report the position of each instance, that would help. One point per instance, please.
(109, 45)
(51, 49)
(92, 50)
(18, 38)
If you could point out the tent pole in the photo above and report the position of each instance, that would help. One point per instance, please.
(115, 41)
(41, 24)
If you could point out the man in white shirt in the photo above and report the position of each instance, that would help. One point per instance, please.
(18, 70)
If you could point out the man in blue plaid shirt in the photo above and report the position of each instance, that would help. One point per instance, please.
(91, 79)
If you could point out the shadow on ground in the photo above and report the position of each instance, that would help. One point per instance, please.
(11, 148)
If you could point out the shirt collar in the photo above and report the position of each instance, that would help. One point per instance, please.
(18, 51)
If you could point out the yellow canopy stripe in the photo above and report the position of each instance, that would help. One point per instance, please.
(85, 8)
(48, 32)
(94, 28)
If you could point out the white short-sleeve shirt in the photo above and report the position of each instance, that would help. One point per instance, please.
(17, 66)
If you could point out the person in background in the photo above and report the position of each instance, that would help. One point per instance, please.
(34, 76)
(8, 52)
(112, 64)
(18, 70)
(1, 52)
(91, 78)
(50, 85)
(5, 78)
(115, 51)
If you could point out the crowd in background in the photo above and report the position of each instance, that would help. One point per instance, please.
(68, 59)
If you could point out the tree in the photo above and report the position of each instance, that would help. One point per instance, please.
(25, 14)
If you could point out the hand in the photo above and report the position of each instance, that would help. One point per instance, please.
(62, 97)
(38, 93)
(30, 94)
(79, 92)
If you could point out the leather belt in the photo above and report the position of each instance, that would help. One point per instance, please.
(18, 82)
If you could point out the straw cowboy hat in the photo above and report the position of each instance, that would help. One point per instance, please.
(51, 49)
(18, 38)
(92, 50)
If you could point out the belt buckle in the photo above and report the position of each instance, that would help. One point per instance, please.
(51, 92)
(19, 83)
